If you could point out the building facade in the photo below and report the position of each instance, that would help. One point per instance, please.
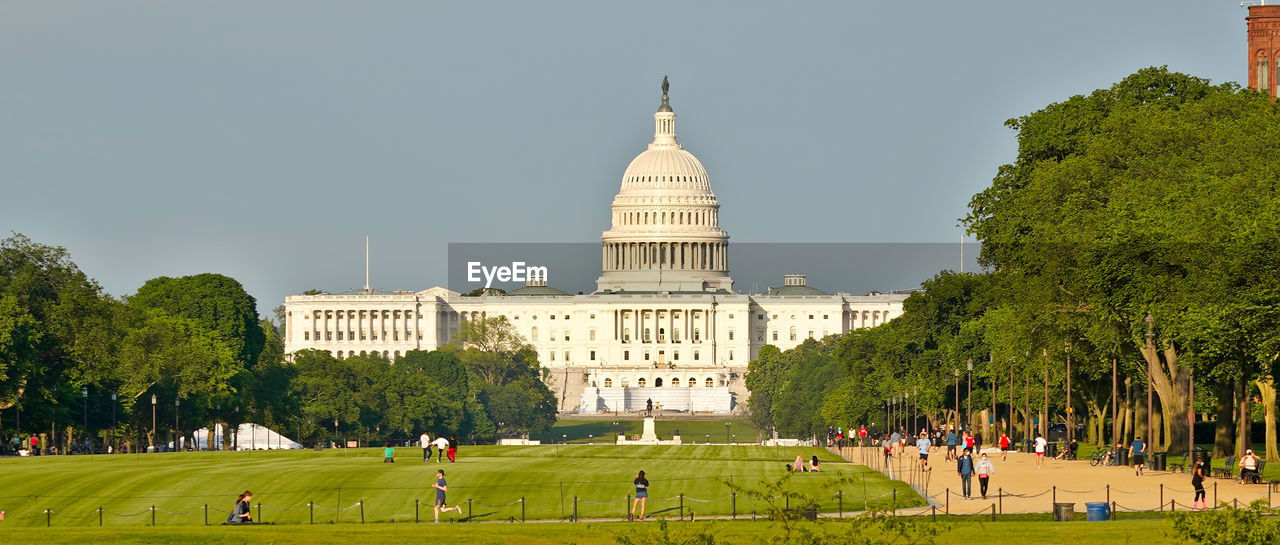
(663, 325)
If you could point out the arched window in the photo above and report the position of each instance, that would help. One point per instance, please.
(533, 334)
(339, 354)
(693, 382)
(608, 383)
(675, 382)
(385, 354)
(626, 335)
(1263, 72)
(657, 382)
(396, 354)
(793, 333)
(646, 334)
(640, 382)
(710, 383)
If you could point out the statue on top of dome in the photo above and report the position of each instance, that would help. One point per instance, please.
(666, 86)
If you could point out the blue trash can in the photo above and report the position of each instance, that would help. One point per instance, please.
(1097, 511)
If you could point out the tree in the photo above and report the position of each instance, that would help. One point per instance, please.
(216, 302)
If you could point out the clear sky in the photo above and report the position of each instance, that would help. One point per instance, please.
(264, 140)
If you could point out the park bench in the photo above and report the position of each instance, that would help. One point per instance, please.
(1182, 466)
(1227, 469)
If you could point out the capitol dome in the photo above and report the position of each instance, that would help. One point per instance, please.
(665, 233)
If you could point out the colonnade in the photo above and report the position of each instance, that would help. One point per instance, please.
(682, 256)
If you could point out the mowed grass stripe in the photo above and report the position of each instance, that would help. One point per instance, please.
(547, 477)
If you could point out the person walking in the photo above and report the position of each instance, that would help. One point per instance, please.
(1197, 482)
(424, 441)
(453, 448)
(1040, 446)
(922, 446)
(642, 497)
(968, 441)
(442, 444)
(964, 468)
(984, 469)
(1004, 447)
(951, 445)
(977, 443)
(895, 439)
(1138, 451)
(887, 446)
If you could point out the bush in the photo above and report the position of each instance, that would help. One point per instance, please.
(1227, 525)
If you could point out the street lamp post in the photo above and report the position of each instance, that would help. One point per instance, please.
(968, 398)
(1071, 428)
(726, 432)
(176, 403)
(956, 372)
(84, 398)
(113, 422)
(152, 442)
(915, 413)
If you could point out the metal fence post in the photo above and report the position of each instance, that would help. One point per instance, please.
(469, 510)
(259, 512)
(361, 510)
(521, 508)
(416, 502)
(206, 515)
(993, 512)
(895, 502)
(1162, 497)
(48, 518)
(1000, 498)
(682, 506)
(153, 515)
(575, 509)
(840, 503)
(946, 498)
(311, 512)
(934, 508)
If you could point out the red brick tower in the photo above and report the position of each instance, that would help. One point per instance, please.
(1264, 47)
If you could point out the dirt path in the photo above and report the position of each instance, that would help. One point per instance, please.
(1018, 486)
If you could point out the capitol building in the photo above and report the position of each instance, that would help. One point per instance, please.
(663, 324)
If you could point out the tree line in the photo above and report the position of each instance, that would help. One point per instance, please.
(1136, 235)
(77, 363)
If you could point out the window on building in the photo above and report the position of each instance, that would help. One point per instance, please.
(593, 355)
(306, 335)
(675, 382)
(640, 382)
(657, 382)
(339, 335)
(730, 355)
(775, 316)
(566, 335)
(692, 382)
(810, 333)
(810, 316)
(395, 335)
(553, 355)
(697, 335)
(328, 335)
(566, 316)
(696, 355)
(825, 333)
(551, 335)
(608, 383)
(626, 335)
(374, 335)
(533, 334)
(774, 333)
(824, 316)
(553, 316)
(339, 354)
(646, 334)
(624, 383)
(591, 334)
(626, 355)
(419, 335)
(731, 334)
(566, 356)
(675, 356)
(760, 316)
(646, 355)
(731, 316)
(1263, 84)
(592, 316)
(793, 333)
(710, 383)
(675, 335)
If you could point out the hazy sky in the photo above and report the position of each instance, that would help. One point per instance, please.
(264, 140)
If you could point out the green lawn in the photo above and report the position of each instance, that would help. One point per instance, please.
(1146, 532)
(691, 431)
(495, 478)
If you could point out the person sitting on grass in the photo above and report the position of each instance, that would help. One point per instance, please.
(813, 464)
(241, 514)
(798, 464)
(389, 455)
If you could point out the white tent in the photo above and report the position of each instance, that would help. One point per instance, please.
(250, 436)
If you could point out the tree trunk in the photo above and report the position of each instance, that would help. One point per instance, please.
(1169, 380)
(1140, 420)
(1223, 428)
(1243, 422)
(1268, 389)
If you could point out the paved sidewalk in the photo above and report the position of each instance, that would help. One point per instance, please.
(1018, 486)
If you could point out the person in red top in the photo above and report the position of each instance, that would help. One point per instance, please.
(968, 440)
(1004, 447)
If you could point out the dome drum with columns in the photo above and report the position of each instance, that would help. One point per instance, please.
(664, 323)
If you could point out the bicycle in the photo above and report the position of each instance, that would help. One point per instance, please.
(1102, 457)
